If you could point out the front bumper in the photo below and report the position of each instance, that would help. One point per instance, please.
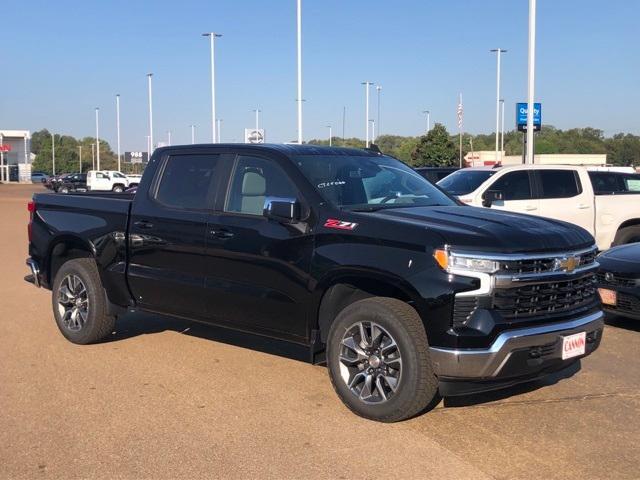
(522, 353)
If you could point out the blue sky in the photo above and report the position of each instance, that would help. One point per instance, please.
(62, 59)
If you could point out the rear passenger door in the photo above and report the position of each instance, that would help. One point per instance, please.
(563, 197)
(517, 192)
(166, 271)
(257, 268)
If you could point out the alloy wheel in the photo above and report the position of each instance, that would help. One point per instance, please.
(370, 362)
(73, 303)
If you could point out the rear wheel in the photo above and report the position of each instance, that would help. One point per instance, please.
(118, 188)
(63, 190)
(627, 235)
(378, 359)
(79, 306)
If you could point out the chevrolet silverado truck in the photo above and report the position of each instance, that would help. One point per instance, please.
(405, 293)
(603, 203)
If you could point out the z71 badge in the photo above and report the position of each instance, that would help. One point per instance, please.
(339, 224)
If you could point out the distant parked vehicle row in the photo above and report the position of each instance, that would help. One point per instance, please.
(603, 203)
(435, 174)
(39, 177)
(96, 180)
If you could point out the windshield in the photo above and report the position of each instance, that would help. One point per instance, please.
(465, 181)
(369, 183)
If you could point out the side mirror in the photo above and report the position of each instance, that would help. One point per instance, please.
(491, 196)
(283, 210)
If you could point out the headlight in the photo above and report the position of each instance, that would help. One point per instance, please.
(451, 261)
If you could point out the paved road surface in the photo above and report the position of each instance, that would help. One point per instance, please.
(169, 399)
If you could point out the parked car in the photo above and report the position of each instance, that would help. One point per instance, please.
(56, 180)
(39, 177)
(619, 280)
(435, 174)
(107, 180)
(76, 182)
(134, 179)
(568, 193)
(402, 291)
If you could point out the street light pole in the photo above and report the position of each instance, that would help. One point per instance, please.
(212, 38)
(299, 65)
(80, 157)
(499, 52)
(501, 127)
(366, 84)
(97, 140)
(257, 112)
(93, 156)
(428, 114)
(378, 90)
(219, 130)
(531, 79)
(169, 137)
(330, 135)
(193, 134)
(373, 130)
(149, 91)
(53, 154)
(118, 128)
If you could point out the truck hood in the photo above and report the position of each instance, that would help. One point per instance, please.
(475, 228)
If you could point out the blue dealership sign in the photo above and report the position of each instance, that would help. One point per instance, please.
(521, 116)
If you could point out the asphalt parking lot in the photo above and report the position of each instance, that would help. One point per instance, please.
(165, 398)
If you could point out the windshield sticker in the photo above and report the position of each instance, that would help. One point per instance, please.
(331, 184)
(339, 224)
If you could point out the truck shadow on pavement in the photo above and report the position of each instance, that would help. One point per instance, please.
(138, 323)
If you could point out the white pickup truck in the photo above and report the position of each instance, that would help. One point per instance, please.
(107, 180)
(607, 204)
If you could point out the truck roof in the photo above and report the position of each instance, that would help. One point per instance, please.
(288, 149)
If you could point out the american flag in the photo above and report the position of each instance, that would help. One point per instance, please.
(460, 113)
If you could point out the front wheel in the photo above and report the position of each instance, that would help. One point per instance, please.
(79, 304)
(378, 359)
(118, 188)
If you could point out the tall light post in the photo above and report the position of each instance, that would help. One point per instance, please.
(53, 154)
(93, 156)
(80, 158)
(257, 112)
(378, 90)
(148, 147)
(169, 137)
(373, 130)
(499, 52)
(118, 128)
(212, 39)
(531, 77)
(428, 115)
(330, 135)
(150, 95)
(501, 127)
(97, 140)
(299, 65)
(366, 84)
(219, 129)
(193, 134)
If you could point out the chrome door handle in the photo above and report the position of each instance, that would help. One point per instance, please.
(530, 208)
(583, 206)
(222, 233)
(143, 224)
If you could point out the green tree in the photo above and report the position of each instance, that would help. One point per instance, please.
(435, 149)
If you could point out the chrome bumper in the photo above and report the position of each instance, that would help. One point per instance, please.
(35, 273)
(488, 363)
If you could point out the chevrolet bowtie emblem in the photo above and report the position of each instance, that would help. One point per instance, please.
(568, 264)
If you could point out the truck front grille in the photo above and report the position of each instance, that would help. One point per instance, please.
(545, 298)
(543, 264)
(616, 280)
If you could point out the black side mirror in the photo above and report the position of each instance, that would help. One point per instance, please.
(283, 210)
(491, 196)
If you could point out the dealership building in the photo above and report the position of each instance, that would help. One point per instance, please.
(15, 156)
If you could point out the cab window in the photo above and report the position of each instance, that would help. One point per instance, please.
(186, 181)
(559, 184)
(514, 186)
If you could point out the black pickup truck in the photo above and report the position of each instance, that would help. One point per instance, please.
(405, 293)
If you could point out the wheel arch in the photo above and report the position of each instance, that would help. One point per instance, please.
(64, 248)
(344, 288)
(632, 222)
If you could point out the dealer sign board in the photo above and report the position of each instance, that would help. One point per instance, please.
(521, 116)
(136, 157)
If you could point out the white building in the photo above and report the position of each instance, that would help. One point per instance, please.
(15, 155)
(487, 158)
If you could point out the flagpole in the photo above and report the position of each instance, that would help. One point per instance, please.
(460, 127)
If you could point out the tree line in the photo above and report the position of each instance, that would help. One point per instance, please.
(436, 148)
(439, 148)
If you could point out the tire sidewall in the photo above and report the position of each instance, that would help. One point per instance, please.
(409, 380)
(80, 268)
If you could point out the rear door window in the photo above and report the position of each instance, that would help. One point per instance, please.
(559, 184)
(187, 181)
(514, 186)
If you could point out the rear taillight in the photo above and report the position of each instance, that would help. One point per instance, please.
(31, 207)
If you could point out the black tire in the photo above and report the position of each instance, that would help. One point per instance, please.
(118, 188)
(627, 235)
(417, 387)
(63, 190)
(98, 325)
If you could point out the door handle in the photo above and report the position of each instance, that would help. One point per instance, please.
(143, 224)
(222, 233)
(530, 208)
(583, 206)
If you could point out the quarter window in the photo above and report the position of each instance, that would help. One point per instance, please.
(514, 186)
(186, 181)
(559, 184)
